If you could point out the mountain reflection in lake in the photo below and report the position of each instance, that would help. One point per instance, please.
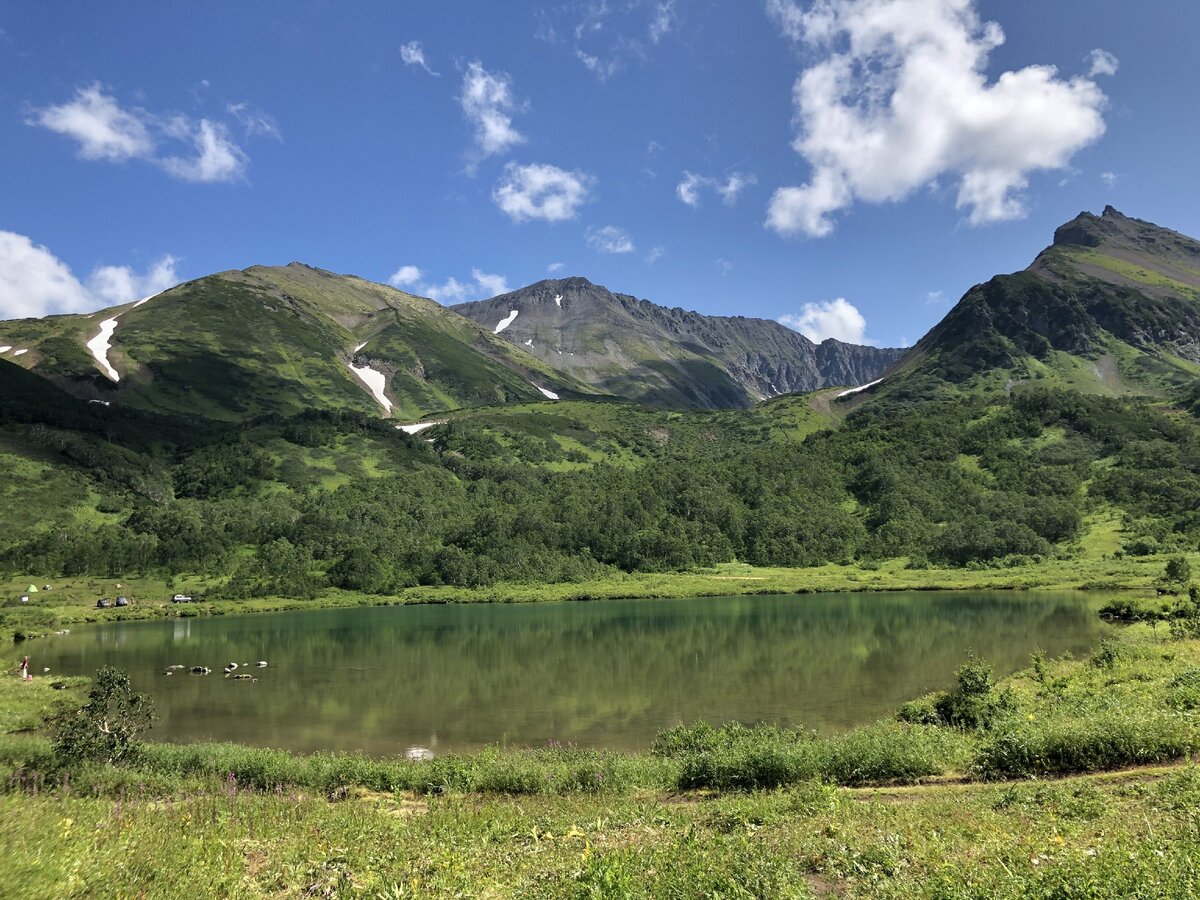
(606, 673)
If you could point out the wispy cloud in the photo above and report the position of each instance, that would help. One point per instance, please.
(413, 54)
(34, 282)
(255, 122)
(1101, 62)
(489, 104)
(106, 131)
(607, 37)
(481, 286)
(541, 191)
(654, 254)
(897, 97)
(729, 188)
(610, 239)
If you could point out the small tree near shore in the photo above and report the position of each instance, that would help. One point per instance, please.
(106, 728)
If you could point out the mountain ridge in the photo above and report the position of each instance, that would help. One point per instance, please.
(668, 355)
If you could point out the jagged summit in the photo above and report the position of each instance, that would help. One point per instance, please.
(668, 356)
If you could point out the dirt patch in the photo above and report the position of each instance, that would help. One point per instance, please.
(822, 886)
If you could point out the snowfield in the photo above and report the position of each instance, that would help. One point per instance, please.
(860, 388)
(360, 346)
(5, 348)
(558, 300)
(375, 381)
(506, 321)
(550, 395)
(100, 344)
(418, 427)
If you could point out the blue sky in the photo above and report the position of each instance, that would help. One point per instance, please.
(849, 166)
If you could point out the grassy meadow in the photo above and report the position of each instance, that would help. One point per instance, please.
(1072, 778)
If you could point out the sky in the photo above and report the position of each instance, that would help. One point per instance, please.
(847, 167)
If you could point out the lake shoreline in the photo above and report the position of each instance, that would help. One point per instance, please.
(72, 601)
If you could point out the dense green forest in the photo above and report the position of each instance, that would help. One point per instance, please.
(286, 507)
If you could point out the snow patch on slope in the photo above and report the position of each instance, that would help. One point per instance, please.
(549, 395)
(143, 300)
(558, 300)
(5, 348)
(360, 346)
(506, 321)
(99, 347)
(859, 389)
(19, 352)
(375, 381)
(418, 427)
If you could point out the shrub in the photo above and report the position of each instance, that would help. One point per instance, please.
(106, 728)
(973, 703)
(1097, 743)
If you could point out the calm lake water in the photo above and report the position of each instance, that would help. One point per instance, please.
(605, 673)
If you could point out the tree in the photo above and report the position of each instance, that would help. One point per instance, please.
(106, 728)
(1178, 571)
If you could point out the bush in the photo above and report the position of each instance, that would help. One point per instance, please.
(1097, 743)
(973, 703)
(106, 728)
(768, 757)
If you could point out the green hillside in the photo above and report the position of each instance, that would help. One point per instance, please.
(281, 341)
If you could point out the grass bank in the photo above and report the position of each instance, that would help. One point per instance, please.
(947, 799)
(73, 600)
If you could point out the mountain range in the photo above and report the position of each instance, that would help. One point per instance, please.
(282, 429)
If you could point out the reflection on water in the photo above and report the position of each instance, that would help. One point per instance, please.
(607, 673)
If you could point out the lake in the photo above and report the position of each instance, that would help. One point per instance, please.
(604, 673)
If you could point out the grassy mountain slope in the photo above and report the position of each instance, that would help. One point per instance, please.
(1112, 306)
(240, 344)
(669, 357)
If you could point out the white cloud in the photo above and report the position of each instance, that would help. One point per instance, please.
(106, 131)
(688, 190)
(413, 54)
(34, 282)
(655, 254)
(733, 186)
(610, 239)
(216, 158)
(725, 266)
(1101, 62)
(103, 129)
(555, 267)
(836, 319)
(255, 122)
(488, 103)
(114, 285)
(901, 100)
(935, 298)
(405, 276)
(482, 285)
(1110, 179)
(662, 21)
(541, 191)
(493, 284)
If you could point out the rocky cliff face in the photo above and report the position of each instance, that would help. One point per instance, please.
(671, 357)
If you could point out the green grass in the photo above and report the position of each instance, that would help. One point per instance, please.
(234, 821)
